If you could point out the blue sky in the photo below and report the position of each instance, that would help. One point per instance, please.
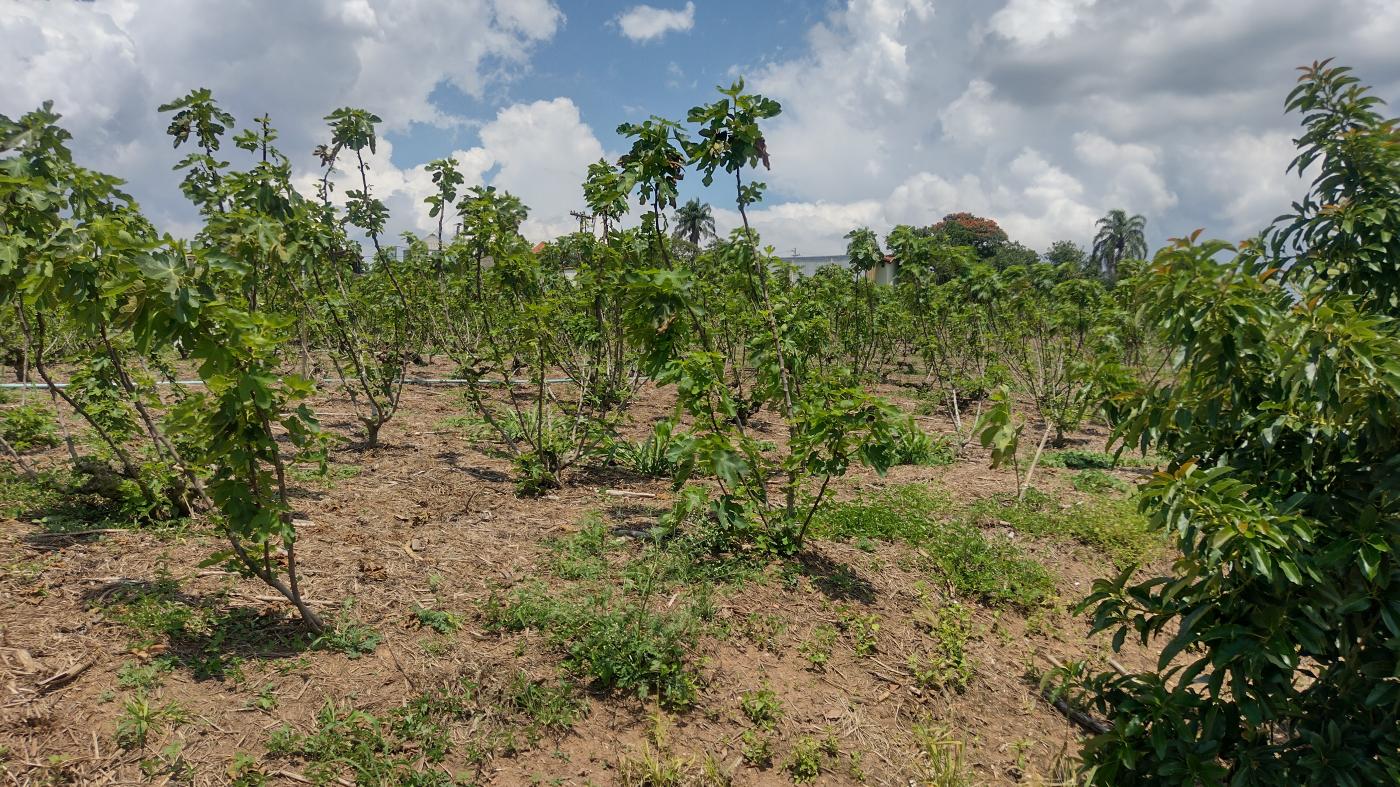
(613, 79)
(1040, 114)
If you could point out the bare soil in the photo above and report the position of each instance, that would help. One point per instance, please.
(428, 504)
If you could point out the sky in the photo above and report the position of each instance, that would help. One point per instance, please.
(1040, 114)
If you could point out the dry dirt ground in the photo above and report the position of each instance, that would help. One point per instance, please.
(427, 520)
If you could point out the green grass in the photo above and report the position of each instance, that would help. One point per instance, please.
(990, 568)
(472, 427)
(1097, 482)
(763, 629)
(347, 635)
(1111, 526)
(942, 763)
(1076, 459)
(334, 473)
(20, 496)
(144, 677)
(408, 744)
(29, 426)
(863, 631)
(908, 513)
(607, 621)
(583, 555)
(556, 705)
(817, 648)
(368, 748)
(65, 500)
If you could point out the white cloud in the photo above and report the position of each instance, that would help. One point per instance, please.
(1039, 114)
(1044, 114)
(977, 116)
(1032, 200)
(1131, 171)
(543, 151)
(1035, 21)
(108, 65)
(1242, 173)
(839, 95)
(648, 23)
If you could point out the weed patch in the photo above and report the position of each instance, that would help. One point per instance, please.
(945, 662)
(1098, 481)
(905, 513)
(328, 477)
(1075, 459)
(438, 620)
(1111, 526)
(762, 707)
(140, 719)
(617, 641)
(28, 426)
(402, 746)
(990, 568)
(649, 457)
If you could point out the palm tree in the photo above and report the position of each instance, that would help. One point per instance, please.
(1120, 238)
(694, 221)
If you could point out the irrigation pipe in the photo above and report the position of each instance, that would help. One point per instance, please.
(407, 381)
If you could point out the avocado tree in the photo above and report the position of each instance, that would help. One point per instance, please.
(1281, 617)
